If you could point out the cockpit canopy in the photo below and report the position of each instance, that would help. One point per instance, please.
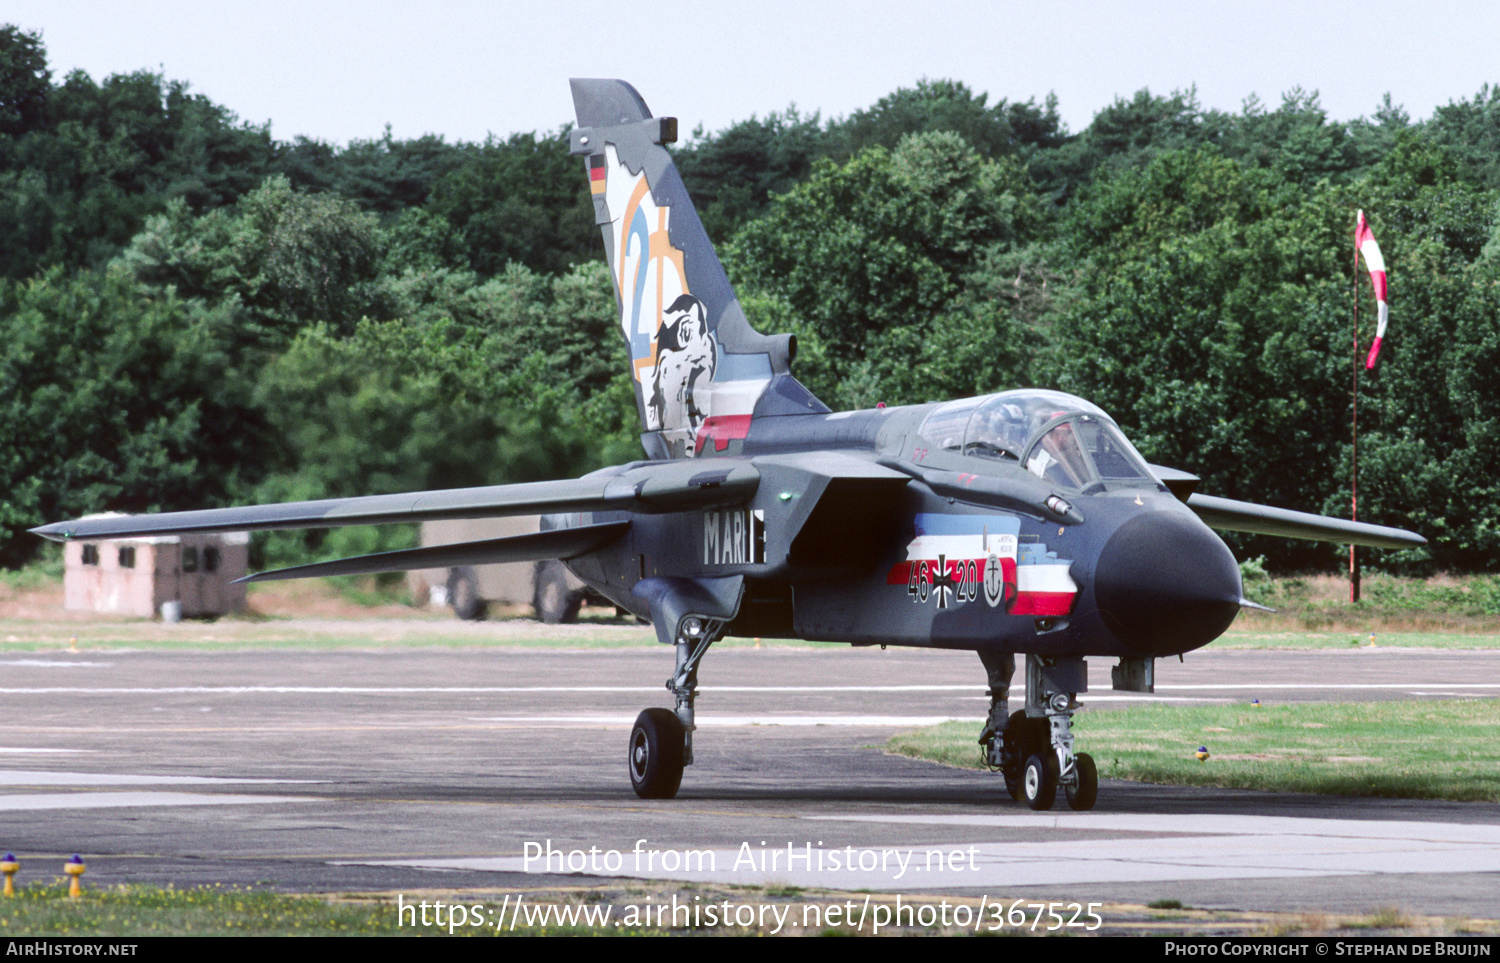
(1057, 437)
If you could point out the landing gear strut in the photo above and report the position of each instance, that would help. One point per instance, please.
(696, 636)
(1033, 748)
(999, 733)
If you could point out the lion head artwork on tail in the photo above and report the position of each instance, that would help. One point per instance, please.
(685, 360)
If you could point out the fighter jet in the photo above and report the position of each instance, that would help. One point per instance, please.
(1022, 522)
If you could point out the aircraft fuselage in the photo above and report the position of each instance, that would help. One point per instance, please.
(963, 553)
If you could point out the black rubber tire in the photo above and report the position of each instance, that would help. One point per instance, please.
(463, 594)
(1014, 750)
(554, 601)
(1040, 781)
(1084, 791)
(655, 756)
(1024, 737)
(1012, 783)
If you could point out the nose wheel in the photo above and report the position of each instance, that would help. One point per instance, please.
(1083, 791)
(1039, 783)
(1023, 738)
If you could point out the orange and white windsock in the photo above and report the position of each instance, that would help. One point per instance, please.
(1364, 239)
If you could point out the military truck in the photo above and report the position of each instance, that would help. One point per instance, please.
(553, 592)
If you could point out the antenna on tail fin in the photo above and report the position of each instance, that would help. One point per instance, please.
(701, 373)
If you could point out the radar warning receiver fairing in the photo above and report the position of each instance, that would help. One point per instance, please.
(1019, 522)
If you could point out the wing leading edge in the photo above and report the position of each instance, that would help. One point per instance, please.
(1226, 514)
(649, 487)
(1229, 515)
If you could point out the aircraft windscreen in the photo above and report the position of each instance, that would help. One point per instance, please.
(1059, 459)
(1077, 452)
(1113, 456)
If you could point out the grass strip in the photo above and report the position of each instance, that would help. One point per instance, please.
(1302, 640)
(45, 910)
(42, 911)
(1404, 750)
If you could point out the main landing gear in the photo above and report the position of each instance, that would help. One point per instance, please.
(690, 614)
(661, 741)
(1033, 748)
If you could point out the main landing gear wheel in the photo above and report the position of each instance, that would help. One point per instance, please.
(1040, 781)
(656, 754)
(1083, 791)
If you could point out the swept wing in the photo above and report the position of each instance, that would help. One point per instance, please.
(643, 487)
(1226, 514)
(1230, 515)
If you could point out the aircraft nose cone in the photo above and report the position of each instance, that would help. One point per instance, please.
(1166, 584)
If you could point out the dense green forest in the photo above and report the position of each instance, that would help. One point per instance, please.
(195, 314)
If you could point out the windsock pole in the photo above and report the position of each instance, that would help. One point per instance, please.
(1354, 429)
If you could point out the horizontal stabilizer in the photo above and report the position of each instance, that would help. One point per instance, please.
(535, 547)
(1226, 514)
(644, 487)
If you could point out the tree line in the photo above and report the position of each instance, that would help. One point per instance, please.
(193, 313)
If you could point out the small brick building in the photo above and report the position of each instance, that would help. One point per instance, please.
(136, 576)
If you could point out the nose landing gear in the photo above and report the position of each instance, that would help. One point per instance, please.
(1035, 750)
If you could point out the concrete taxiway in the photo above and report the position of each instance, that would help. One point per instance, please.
(409, 770)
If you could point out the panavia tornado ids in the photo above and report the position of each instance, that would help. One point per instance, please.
(1022, 522)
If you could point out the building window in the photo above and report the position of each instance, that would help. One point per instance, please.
(190, 559)
(91, 555)
(210, 559)
(127, 556)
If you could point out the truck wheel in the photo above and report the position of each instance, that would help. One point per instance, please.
(463, 594)
(555, 602)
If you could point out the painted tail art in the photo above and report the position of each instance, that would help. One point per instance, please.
(701, 373)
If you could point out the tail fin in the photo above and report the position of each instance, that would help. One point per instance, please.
(701, 373)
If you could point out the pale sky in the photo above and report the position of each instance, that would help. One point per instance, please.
(336, 70)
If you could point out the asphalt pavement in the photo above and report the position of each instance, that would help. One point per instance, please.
(499, 768)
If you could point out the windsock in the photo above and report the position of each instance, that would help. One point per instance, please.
(1364, 240)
